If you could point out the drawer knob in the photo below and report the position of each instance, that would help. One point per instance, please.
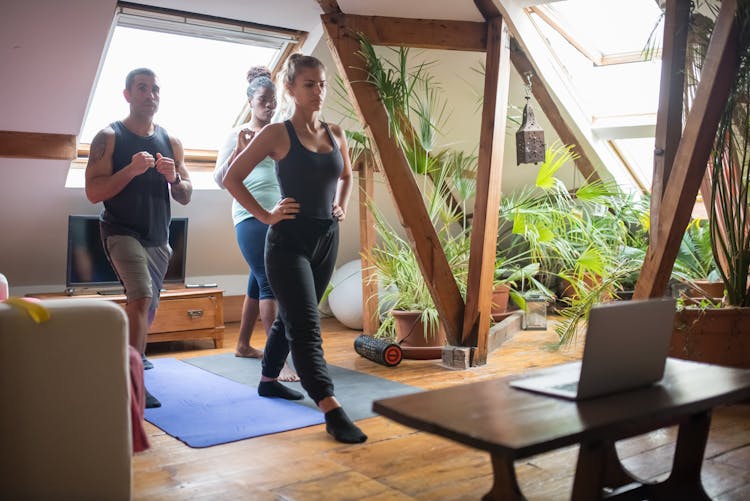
(195, 313)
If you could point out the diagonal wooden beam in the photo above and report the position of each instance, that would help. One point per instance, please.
(329, 6)
(487, 9)
(522, 64)
(671, 91)
(550, 109)
(367, 240)
(419, 33)
(392, 162)
(487, 201)
(37, 145)
(719, 71)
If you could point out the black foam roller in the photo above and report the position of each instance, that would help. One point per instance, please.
(378, 350)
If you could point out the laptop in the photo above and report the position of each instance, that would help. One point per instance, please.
(626, 348)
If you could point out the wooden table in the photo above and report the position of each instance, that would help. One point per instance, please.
(512, 424)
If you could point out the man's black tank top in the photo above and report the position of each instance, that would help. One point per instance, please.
(309, 177)
(142, 209)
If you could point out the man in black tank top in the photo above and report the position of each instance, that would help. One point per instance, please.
(133, 167)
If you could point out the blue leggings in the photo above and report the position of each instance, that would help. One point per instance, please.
(300, 256)
(251, 237)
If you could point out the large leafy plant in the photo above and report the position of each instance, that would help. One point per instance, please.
(592, 238)
(415, 109)
(729, 162)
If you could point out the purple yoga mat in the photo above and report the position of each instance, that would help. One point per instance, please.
(203, 409)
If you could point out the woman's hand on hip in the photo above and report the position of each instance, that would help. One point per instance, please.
(286, 208)
(338, 212)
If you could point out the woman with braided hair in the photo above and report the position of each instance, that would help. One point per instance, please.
(251, 233)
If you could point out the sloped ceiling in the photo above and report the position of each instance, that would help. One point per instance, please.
(59, 68)
(46, 80)
(293, 14)
(50, 51)
(457, 10)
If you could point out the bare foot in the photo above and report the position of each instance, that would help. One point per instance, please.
(248, 352)
(287, 374)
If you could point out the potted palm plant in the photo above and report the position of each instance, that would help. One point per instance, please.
(590, 240)
(695, 268)
(705, 333)
(412, 320)
(416, 110)
(515, 273)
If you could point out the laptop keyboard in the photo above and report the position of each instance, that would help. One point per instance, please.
(573, 386)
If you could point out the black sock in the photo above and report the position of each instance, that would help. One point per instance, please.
(146, 362)
(151, 401)
(276, 389)
(340, 427)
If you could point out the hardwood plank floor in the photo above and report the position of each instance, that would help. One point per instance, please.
(399, 463)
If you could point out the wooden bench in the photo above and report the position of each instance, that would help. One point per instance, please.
(514, 424)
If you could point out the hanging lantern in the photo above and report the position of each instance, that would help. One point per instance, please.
(530, 136)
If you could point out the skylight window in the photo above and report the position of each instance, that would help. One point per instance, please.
(607, 31)
(600, 47)
(201, 64)
(202, 83)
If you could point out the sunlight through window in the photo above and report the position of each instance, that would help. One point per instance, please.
(201, 64)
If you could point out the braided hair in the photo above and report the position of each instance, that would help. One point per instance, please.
(258, 77)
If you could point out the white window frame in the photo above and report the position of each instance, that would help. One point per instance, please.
(203, 26)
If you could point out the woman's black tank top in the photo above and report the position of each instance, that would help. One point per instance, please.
(309, 177)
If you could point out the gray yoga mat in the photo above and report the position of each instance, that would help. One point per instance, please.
(355, 390)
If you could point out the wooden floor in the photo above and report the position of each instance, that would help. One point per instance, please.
(398, 463)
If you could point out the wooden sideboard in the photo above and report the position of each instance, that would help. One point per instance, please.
(182, 314)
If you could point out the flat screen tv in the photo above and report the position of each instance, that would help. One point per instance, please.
(88, 266)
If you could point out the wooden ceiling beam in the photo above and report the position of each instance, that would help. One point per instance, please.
(487, 200)
(418, 33)
(392, 162)
(719, 71)
(669, 113)
(37, 145)
(329, 6)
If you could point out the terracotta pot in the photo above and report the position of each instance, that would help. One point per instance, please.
(410, 335)
(714, 335)
(500, 295)
(590, 280)
(706, 288)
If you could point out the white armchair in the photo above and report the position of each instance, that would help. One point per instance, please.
(65, 430)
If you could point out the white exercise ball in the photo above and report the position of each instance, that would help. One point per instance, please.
(344, 301)
(345, 298)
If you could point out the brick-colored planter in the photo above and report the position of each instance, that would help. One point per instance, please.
(713, 335)
(411, 337)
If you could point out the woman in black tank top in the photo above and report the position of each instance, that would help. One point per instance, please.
(314, 173)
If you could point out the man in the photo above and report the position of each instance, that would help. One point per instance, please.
(133, 167)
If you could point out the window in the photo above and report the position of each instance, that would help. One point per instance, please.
(599, 47)
(201, 64)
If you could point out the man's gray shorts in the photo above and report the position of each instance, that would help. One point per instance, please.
(140, 269)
